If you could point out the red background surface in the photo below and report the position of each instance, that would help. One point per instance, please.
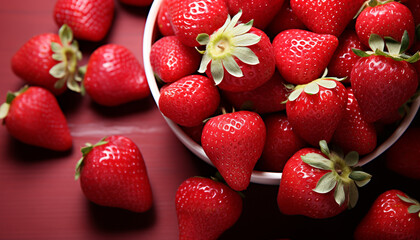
(39, 198)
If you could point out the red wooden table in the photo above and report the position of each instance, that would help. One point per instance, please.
(39, 198)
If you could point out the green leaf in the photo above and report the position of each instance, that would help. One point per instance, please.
(352, 158)
(58, 70)
(217, 71)
(405, 42)
(56, 47)
(324, 147)
(60, 82)
(311, 88)
(203, 38)
(79, 166)
(376, 42)
(317, 161)
(4, 110)
(205, 60)
(247, 39)
(73, 85)
(360, 176)
(246, 55)
(353, 195)
(232, 67)
(295, 94)
(66, 35)
(360, 53)
(242, 28)
(339, 194)
(58, 57)
(413, 208)
(413, 58)
(325, 73)
(326, 183)
(327, 83)
(234, 21)
(393, 46)
(407, 199)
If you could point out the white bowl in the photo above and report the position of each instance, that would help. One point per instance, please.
(261, 177)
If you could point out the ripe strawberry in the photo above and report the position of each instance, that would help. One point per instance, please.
(402, 157)
(328, 17)
(266, 98)
(281, 143)
(50, 61)
(190, 100)
(353, 133)
(240, 56)
(261, 12)
(393, 215)
(206, 208)
(113, 173)
(284, 19)
(386, 19)
(164, 20)
(138, 3)
(414, 6)
(234, 142)
(33, 116)
(114, 76)
(315, 110)
(171, 60)
(190, 18)
(89, 19)
(319, 184)
(302, 56)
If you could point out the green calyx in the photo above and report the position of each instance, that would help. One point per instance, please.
(68, 55)
(396, 50)
(229, 41)
(85, 150)
(4, 108)
(343, 175)
(371, 3)
(414, 207)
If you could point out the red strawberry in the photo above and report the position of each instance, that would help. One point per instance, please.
(302, 56)
(261, 12)
(164, 20)
(190, 18)
(50, 61)
(89, 19)
(114, 76)
(414, 6)
(393, 215)
(113, 173)
(190, 100)
(353, 133)
(281, 143)
(240, 56)
(402, 157)
(139, 3)
(315, 110)
(234, 142)
(206, 208)
(194, 132)
(342, 61)
(319, 184)
(327, 16)
(284, 19)
(171, 60)
(33, 116)
(266, 98)
(386, 19)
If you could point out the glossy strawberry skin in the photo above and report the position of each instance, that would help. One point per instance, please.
(327, 17)
(234, 142)
(191, 17)
(33, 61)
(381, 85)
(171, 59)
(414, 6)
(284, 19)
(206, 208)
(302, 56)
(115, 175)
(114, 76)
(388, 218)
(190, 100)
(315, 117)
(35, 118)
(296, 195)
(396, 18)
(164, 20)
(89, 19)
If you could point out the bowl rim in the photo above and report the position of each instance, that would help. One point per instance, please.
(260, 177)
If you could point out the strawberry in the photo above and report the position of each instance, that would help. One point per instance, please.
(194, 132)
(414, 6)
(315, 109)
(327, 16)
(114, 76)
(266, 98)
(89, 19)
(284, 19)
(32, 115)
(190, 18)
(302, 56)
(383, 81)
(206, 208)
(234, 142)
(50, 61)
(260, 11)
(386, 19)
(353, 133)
(402, 157)
(320, 184)
(281, 143)
(171, 60)
(112, 173)
(240, 56)
(342, 61)
(393, 215)
(190, 100)
(164, 20)
(138, 3)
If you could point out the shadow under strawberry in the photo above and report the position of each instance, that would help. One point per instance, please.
(126, 109)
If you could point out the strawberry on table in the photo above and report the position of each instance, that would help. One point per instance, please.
(114, 76)
(392, 216)
(33, 116)
(206, 208)
(112, 173)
